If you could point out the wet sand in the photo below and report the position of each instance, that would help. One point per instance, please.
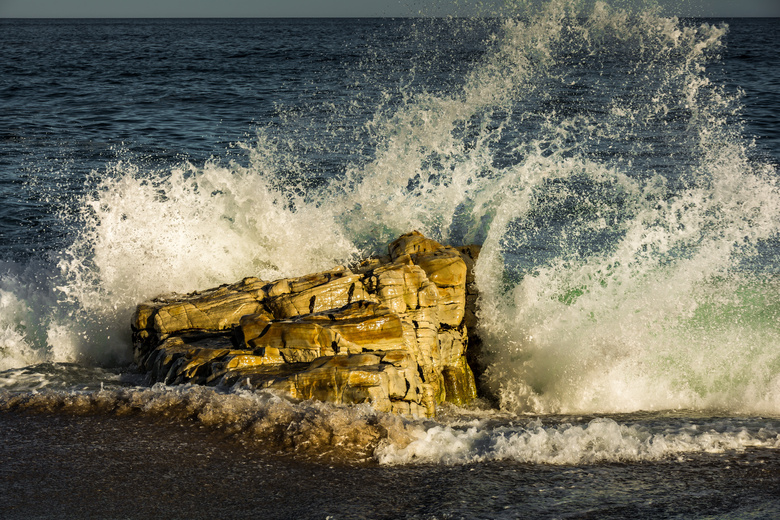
(107, 467)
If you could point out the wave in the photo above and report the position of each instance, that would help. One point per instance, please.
(310, 429)
(320, 431)
(599, 440)
(630, 237)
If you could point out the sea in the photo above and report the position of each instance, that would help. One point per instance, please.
(619, 168)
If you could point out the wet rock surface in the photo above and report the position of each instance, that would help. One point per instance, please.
(393, 331)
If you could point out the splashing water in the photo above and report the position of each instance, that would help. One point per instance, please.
(619, 283)
(630, 240)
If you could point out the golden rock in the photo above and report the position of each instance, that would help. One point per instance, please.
(389, 332)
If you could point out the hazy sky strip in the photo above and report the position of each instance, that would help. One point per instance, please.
(331, 8)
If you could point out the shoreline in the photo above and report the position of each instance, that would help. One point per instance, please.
(97, 466)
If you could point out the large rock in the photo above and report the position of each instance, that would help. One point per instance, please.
(392, 331)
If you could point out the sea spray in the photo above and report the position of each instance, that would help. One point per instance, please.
(629, 239)
(15, 316)
(604, 259)
(143, 233)
(28, 308)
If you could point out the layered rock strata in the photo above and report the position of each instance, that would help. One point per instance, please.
(392, 331)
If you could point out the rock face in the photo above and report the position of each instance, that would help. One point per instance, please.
(392, 331)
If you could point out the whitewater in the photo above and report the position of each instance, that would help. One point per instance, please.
(612, 164)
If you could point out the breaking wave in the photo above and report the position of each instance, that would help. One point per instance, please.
(630, 238)
(320, 431)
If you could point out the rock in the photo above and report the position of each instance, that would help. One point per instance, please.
(212, 310)
(316, 293)
(345, 330)
(392, 331)
(412, 243)
(474, 355)
(459, 382)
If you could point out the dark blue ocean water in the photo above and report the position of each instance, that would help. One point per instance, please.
(78, 95)
(620, 172)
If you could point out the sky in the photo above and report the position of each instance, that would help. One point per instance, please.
(328, 8)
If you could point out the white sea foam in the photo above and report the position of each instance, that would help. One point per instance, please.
(616, 268)
(141, 234)
(605, 290)
(597, 441)
(322, 431)
(24, 298)
(308, 429)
